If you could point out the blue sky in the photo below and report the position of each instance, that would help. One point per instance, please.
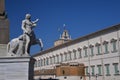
(80, 16)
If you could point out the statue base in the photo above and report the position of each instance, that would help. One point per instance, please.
(3, 50)
(16, 68)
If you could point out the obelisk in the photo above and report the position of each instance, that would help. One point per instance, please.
(4, 29)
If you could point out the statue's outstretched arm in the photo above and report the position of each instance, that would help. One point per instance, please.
(35, 21)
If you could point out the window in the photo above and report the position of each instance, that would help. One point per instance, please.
(47, 61)
(65, 56)
(86, 70)
(116, 68)
(114, 45)
(44, 62)
(98, 47)
(35, 65)
(99, 70)
(107, 69)
(106, 48)
(85, 51)
(41, 62)
(50, 60)
(93, 70)
(105, 43)
(92, 50)
(61, 57)
(54, 59)
(57, 58)
(74, 52)
(79, 51)
(69, 55)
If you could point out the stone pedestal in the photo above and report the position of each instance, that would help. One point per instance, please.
(3, 50)
(16, 68)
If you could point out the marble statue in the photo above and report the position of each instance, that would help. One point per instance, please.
(27, 27)
(21, 45)
(16, 46)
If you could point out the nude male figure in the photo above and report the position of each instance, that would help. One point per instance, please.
(27, 27)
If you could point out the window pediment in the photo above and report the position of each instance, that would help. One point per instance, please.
(69, 52)
(74, 50)
(85, 47)
(113, 40)
(61, 54)
(91, 45)
(79, 49)
(105, 42)
(97, 44)
(65, 52)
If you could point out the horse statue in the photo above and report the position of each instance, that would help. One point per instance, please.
(22, 44)
(16, 47)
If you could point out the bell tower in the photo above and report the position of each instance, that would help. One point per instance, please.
(65, 37)
(4, 24)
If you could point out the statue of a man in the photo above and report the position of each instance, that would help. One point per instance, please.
(27, 27)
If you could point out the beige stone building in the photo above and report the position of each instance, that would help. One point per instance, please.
(98, 54)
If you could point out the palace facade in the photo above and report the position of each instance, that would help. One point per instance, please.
(98, 53)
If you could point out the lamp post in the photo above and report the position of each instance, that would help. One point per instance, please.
(96, 76)
(118, 72)
(88, 75)
(80, 77)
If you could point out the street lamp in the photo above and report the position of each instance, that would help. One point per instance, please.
(80, 77)
(39, 78)
(88, 75)
(118, 72)
(96, 76)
